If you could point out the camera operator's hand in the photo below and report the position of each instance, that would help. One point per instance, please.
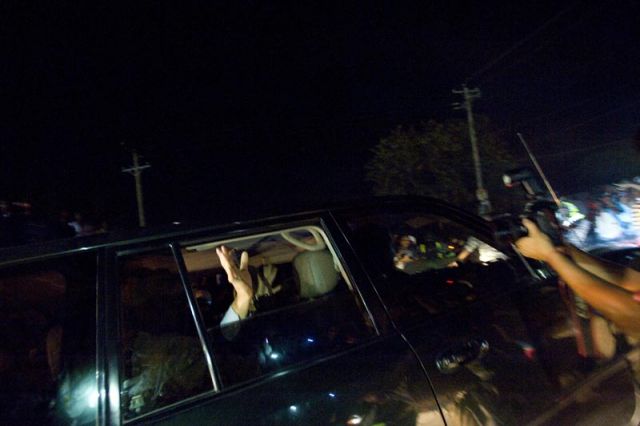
(536, 244)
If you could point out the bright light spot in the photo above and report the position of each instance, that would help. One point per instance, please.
(274, 355)
(608, 227)
(113, 394)
(310, 340)
(293, 408)
(354, 420)
(332, 395)
(93, 399)
(176, 222)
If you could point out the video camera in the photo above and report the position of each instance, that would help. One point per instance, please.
(539, 209)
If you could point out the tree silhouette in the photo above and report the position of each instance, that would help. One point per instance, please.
(434, 159)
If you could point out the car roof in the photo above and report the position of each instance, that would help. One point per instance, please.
(138, 236)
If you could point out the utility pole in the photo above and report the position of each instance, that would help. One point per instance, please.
(136, 172)
(484, 205)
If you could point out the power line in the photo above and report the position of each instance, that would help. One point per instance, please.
(517, 45)
(585, 149)
(570, 107)
(576, 22)
(604, 114)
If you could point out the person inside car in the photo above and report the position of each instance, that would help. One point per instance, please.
(406, 251)
(611, 289)
(485, 253)
(314, 273)
(240, 278)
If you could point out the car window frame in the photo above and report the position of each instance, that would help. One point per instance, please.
(321, 222)
(481, 228)
(115, 360)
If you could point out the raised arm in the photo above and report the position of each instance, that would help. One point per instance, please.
(614, 301)
(240, 279)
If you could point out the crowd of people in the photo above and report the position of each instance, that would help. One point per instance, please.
(20, 224)
(606, 217)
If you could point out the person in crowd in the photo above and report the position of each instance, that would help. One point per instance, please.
(608, 226)
(612, 289)
(634, 201)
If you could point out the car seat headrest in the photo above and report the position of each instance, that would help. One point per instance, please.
(315, 272)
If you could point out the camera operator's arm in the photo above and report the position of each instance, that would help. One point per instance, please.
(612, 301)
(609, 271)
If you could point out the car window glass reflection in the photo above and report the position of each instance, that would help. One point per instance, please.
(424, 243)
(429, 263)
(162, 357)
(47, 343)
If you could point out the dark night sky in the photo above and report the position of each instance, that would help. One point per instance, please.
(241, 106)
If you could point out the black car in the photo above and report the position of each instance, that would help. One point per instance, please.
(393, 311)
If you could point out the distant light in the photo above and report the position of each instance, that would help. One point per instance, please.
(176, 223)
(293, 409)
(528, 350)
(354, 420)
(274, 355)
(310, 340)
(530, 353)
(332, 395)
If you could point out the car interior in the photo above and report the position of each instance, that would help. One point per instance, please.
(292, 266)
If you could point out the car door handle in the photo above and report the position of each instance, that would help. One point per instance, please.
(452, 359)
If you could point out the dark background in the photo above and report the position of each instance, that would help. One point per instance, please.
(252, 106)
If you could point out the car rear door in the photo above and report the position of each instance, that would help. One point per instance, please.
(329, 359)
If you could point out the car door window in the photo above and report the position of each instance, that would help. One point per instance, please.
(47, 342)
(428, 264)
(162, 357)
(304, 305)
